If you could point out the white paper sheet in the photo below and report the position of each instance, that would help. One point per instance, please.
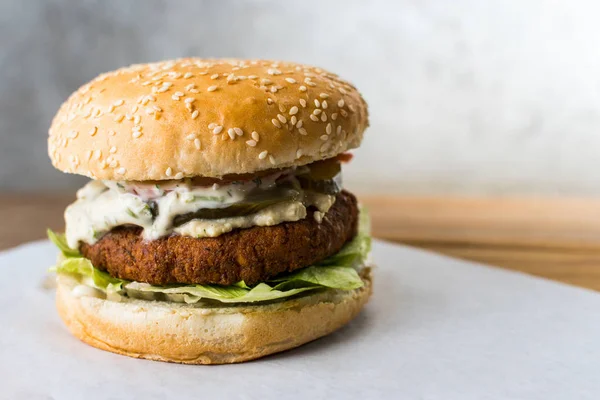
(436, 328)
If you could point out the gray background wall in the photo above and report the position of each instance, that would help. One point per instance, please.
(466, 96)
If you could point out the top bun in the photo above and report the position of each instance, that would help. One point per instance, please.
(205, 117)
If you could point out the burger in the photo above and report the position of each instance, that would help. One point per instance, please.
(215, 228)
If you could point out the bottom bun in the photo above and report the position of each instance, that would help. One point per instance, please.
(192, 334)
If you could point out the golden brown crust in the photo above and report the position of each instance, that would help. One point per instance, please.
(251, 255)
(187, 118)
(190, 335)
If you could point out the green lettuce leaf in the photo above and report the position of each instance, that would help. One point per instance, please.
(336, 272)
(59, 241)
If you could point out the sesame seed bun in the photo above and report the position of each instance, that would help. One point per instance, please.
(196, 117)
(188, 334)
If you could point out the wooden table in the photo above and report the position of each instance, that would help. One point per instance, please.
(554, 238)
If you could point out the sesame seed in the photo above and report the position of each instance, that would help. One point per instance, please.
(156, 108)
(178, 94)
(191, 136)
(269, 100)
(317, 111)
(214, 76)
(290, 80)
(134, 109)
(341, 103)
(339, 129)
(314, 117)
(273, 89)
(97, 154)
(303, 131)
(189, 100)
(302, 88)
(282, 108)
(231, 133)
(251, 143)
(255, 136)
(351, 108)
(341, 90)
(317, 103)
(110, 108)
(266, 81)
(299, 153)
(137, 119)
(118, 103)
(113, 150)
(238, 131)
(272, 159)
(334, 116)
(211, 88)
(197, 143)
(252, 76)
(276, 123)
(192, 90)
(114, 164)
(73, 134)
(88, 154)
(121, 171)
(324, 117)
(188, 75)
(263, 155)
(323, 95)
(217, 129)
(128, 117)
(324, 137)
(93, 131)
(211, 125)
(273, 71)
(146, 83)
(299, 124)
(344, 113)
(324, 104)
(119, 117)
(195, 114)
(169, 171)
(136, 134)
(303, 103)
(328, 128)
(293, 120)
(282, 118)
(294, 110)
(311, 84)
(179, 175)
(175, 97)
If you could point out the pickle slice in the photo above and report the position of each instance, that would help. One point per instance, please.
(251, 205)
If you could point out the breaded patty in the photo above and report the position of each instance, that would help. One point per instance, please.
(251, 255)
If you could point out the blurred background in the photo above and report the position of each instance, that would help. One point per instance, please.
(496, 97)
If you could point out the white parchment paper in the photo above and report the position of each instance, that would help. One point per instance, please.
(436, 328)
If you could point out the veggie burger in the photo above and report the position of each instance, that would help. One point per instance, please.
(215, 228)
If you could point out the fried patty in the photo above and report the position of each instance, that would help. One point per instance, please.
(251, 255)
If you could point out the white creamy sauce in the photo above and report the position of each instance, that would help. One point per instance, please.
(83, 290)
(101, 206)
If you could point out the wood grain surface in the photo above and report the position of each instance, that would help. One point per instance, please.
(554, 238)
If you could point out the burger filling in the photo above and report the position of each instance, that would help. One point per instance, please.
(239, 239)
(199, 208)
